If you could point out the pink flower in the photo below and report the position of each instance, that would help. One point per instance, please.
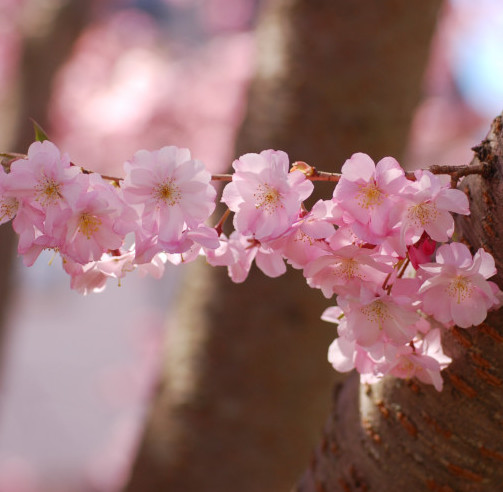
(376, 317)
(265, 197)
(431, 200)
(238, 252)
(305, 239)
(92, 276)
(345, 270)
(45, 179)
(423, 359)
(186, 249)
(8, 204)
(85, 278)
(90, 229)
(368, 195)
(456, 290)
(345, 355)
(46, 186)
(172, 193)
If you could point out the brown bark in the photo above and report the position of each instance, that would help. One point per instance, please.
(45, 47)
(399, 435)
(246, 382)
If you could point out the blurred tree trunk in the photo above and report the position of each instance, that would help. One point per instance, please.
(246, 382)
(46, 44)
(399, 436)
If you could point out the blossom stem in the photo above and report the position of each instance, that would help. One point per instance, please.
(403, 267)
(221, 177)
(104, 176)
(456, 172)
(221, 222)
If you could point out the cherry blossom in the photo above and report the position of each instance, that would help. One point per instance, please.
(264, 195)
(306, 239)
(368, 195)
(8, 204)
(423, 358)
(45, 187)
(371, 245)
(456, 289)
(430, 201)
(345, 270)
(375, 316)
(238, 252)
(172, 194)
(45, 178)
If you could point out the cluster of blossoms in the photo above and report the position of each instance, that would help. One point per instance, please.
(374, 245)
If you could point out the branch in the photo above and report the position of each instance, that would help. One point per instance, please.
(312, 174)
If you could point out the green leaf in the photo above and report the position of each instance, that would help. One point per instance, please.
(40, 134)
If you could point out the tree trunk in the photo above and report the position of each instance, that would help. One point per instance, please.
(398, 435)
(246, 381)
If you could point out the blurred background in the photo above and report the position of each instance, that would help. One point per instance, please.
(81, 376)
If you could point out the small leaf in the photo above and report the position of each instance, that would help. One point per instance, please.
(40, 134)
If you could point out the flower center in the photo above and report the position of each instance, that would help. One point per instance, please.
(347, 269)
(88, 224)
(268, 198)
(369, 195)
(48, 191)
(460, 289)
(167, 192)
(301, 236)
(8, 208)
(377, 312)
(422, 214)
(407, 368)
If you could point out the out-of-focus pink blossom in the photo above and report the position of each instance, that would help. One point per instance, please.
(85, 278)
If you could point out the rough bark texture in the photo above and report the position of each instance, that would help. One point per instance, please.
(246, 382)
(45, 47)
(399, 435)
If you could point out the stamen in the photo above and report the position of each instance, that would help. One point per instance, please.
(301, 236)
(347, 268)
(48, 191)
(370, 195)
(460, 288)
(167, 192)
(268, 198)
(88, 224)
(8, 208)
(423, 214)
(376, 312)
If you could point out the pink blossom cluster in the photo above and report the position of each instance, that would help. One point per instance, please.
(376, 245)
(102, 229)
